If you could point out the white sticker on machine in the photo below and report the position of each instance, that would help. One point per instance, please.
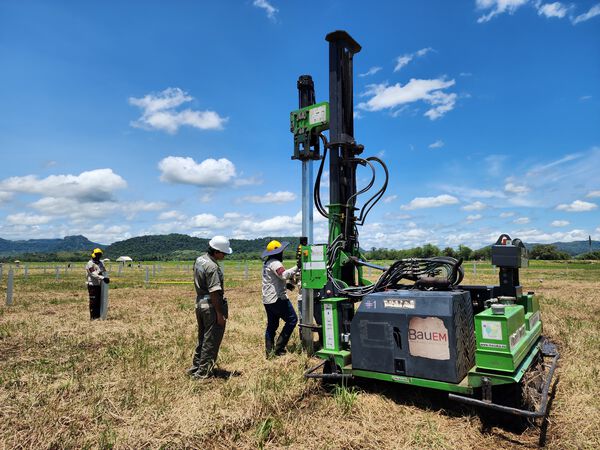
(317, 115)
(317, 253)
(329, 341)
(428, 338)
(491, 329)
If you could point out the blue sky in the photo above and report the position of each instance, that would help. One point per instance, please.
(119, 119)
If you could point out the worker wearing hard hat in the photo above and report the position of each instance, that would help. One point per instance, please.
(96, 275)
(211, 307)
(275, 300)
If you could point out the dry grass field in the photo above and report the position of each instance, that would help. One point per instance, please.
(66, 382)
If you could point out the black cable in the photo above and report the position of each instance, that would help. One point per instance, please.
(412, 269)
(317, 188)
(375, 198)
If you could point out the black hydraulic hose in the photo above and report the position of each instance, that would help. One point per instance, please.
(375, 198)
(317, 188)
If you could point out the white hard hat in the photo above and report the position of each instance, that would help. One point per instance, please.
(221, 244)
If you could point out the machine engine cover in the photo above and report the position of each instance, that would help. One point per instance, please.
(423, 334)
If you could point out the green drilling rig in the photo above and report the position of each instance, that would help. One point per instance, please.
(416, 324)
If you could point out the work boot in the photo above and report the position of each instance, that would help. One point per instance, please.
(269, 343)
(282, 341)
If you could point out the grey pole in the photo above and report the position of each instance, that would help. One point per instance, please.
(120, 269)
(57, 270)
(26, 272)
(153, 270)
(9, 287)
(147, 275)
(306, 97)
(104, 300)
(474, 268)
(246, 270)
(307, 230)
(0, 271)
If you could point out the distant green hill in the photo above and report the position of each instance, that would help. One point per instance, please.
(174, 247)
(182, 247)
(572, 248)
(67, 244)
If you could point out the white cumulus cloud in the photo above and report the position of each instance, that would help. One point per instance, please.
(159, 112)
(430, 202)
(184, 170)
(372, 71)
(27, 219)
(269, 9)
(496, 7)
(555, 9)
(390, 198)
(271, 197)
(577, 206)
(522, 220)
(429, 91)
(473, 217)
(593, 12)
(171, 215)
(535, 235)
(516, 188)
(475, 206)
(403, 60)
(560, 223)
(5, 196)
(590, 194)
(437, 144)
(94, 185)
(504, 215)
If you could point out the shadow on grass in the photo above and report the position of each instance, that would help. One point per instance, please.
(502, 426)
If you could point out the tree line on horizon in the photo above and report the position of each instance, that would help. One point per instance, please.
(180, 247)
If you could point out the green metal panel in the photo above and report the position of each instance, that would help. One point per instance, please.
(331, 320)
(462, 387)
(475, 375)
(503, 340)
(314, 266)
(331, 316)
(342, 358)
(311, 118)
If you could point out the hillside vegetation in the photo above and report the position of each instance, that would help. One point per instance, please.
(182, 247)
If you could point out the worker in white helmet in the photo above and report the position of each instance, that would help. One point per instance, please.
(275, 300)
(211, 308)
(96, 275)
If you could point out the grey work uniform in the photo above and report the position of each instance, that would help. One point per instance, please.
(208, 277)
(95, 272)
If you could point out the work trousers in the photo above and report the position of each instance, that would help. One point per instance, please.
(95, 301)
(210, 336)
(281, 309)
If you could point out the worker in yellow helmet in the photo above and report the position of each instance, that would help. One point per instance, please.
(275, 300)
(96, 275)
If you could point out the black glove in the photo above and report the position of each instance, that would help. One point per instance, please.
(106, 280)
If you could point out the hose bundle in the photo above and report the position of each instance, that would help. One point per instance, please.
(439, 271)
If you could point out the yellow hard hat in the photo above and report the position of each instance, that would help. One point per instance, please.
(97, 251)
(274, 247)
